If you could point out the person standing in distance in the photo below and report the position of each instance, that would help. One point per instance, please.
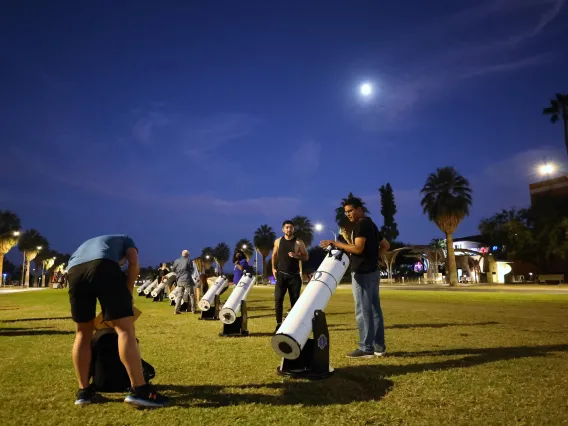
(287, 253)
(95, 273)
(367, 247)
(183, 269)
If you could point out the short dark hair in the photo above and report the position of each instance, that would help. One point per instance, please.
(353, 201)
(287, 222)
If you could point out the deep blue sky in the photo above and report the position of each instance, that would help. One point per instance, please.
(185, 124)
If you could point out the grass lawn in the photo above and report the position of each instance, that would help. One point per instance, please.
(454, 358)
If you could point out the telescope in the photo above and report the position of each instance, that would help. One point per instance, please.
(152, 286)
(304, 357)
(158, 292)
(213, 299)
(140, 289)
(233, 325)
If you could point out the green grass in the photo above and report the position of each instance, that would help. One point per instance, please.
(454, 358)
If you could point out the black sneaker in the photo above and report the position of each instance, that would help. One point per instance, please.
(358, 353)
(146, 396)
(84, 396)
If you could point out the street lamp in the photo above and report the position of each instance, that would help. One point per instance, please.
(319, 227)
(13, 233)
(547, 169)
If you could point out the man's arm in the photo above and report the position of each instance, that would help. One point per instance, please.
(133, 268)
(302, 253)
(275, 256)
(356, 248)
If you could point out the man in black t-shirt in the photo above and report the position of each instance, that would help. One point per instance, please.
(366, 249)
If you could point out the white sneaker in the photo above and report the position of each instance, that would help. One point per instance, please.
(380, 353)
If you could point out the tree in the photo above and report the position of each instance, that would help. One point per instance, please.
(31, 242)
(346, 227)
(316, 257)
(9, 224)
(44, 260)
(221, 253)
(446, 200)
(303, 229)
(248, 251)
(388, 210)
(558, 109)
(263, 239)
(538, 234)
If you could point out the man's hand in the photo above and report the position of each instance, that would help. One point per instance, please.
(293, 255)
(326, 243)
(274, 272)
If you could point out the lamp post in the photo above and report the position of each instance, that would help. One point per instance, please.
(13, 233)
(319, 227)
(547, 169)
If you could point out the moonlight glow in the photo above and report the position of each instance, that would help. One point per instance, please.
(366, 89)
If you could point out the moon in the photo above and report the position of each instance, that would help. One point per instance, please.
(366, 89)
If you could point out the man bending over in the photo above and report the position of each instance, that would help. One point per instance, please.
(95, 273)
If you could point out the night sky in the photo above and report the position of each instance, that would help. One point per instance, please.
(185, 123)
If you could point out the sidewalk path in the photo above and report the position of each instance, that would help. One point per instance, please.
(5, 290)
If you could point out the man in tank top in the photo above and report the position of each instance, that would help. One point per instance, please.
(286, 256)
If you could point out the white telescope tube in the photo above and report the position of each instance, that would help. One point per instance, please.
(232, 306)
(220, 283)
(151, 287)
(293, 334)
(143, 286)
(170, 278)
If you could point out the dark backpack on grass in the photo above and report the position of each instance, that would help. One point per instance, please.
(107, 371)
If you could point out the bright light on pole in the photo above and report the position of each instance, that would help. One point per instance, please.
(244, 247)
(547, 169)
(319, 227)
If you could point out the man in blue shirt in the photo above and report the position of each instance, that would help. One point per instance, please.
(95, 273)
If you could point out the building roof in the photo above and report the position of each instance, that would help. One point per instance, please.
(473, 238)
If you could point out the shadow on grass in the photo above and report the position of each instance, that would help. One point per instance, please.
(358, 383)
(261, 334)
(261, 316)
(36, 319)
(477, 356)
(439, 325)
(350, 384)
(14, 332)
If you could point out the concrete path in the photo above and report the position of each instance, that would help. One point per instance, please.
(484, 288)
(6, 290)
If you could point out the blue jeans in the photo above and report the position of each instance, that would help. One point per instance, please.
(368, 312)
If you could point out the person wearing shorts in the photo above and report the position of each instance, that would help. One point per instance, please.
(95, 273)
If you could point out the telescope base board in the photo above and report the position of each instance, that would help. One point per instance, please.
(313, 362)
(213, 312)
(239, 328)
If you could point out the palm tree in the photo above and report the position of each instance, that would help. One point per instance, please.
(303, 229)
(31, 242)
(346, 227)
(221, 253)
(558, 109)
(446, 201)
(245, 246)
(44, 259)
(264, 238)
(9, 232)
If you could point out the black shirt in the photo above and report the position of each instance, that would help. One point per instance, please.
(287, 264)
(368, 260)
